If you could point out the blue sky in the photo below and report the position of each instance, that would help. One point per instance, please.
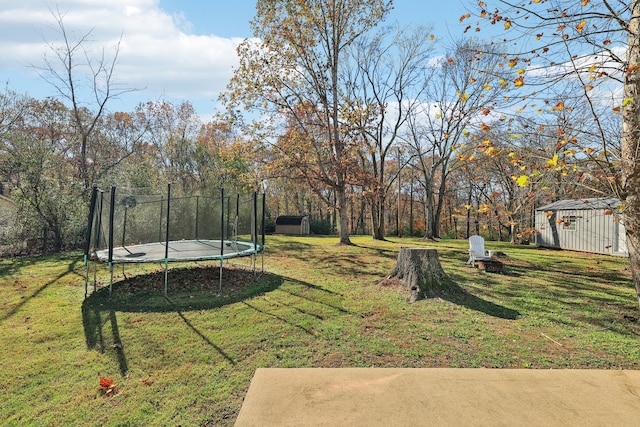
(169, 49)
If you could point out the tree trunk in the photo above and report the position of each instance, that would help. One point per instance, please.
(630, 145)
(421, 274)
(377, 217)
(343, 218)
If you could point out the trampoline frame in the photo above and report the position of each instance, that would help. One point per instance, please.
(224, 248)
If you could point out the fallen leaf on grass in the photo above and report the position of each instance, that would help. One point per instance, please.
(107, 387)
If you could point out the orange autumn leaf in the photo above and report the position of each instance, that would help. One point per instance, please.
(463, 17)
(107, 386)
(580, 26)
(519, 81)
(485, 127)
(584, 3)
(559, 106)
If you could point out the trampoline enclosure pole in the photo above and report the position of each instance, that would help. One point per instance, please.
(222, 222)
(166, 246)
(221, 237)
(87, 248)
(264, 202)
(111, 215)
(255, 221)
(98, 237)
(197, 210)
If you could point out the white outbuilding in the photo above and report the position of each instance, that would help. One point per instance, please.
(588, 225)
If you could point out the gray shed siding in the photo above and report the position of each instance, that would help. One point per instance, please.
(588, 225)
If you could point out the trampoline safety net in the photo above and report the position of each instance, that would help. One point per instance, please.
(143, 225)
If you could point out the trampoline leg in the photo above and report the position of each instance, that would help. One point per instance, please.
(86, 277)
(220, 283)
(111, 281)
(166, 277)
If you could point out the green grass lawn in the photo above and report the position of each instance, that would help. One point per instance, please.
(189, 360)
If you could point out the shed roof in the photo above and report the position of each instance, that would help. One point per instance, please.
(582, 204)
(289, 220)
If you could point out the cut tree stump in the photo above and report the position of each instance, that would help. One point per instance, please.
(422, 275)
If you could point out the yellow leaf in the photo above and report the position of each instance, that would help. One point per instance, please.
(512, 154)
(507, 25)
(521, 71)
(519, 81)
(584, 3)
(522, 180)
(516, 136)
(580, 26)
(626, 102)
(553, 162)
(468, 207)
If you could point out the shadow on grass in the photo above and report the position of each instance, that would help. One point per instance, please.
(15, 265)
(473, 302)
(458, 295)
(189, 289)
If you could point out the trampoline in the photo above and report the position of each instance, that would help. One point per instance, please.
(146, 226)
(180, 250)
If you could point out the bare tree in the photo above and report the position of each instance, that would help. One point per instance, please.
(452, 101)
(385, 82)
(87, 83)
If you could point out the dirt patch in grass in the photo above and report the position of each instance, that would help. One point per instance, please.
(199, 287)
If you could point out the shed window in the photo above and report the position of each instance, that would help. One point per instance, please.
(569, 222)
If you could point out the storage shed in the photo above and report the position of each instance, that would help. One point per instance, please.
(588, 225)
(288, 224)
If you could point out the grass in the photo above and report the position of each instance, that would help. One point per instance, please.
(189, 360)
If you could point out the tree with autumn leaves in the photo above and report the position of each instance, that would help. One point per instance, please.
(592, 47)
(294, 74)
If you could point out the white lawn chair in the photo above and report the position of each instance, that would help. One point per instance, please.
(477, 251)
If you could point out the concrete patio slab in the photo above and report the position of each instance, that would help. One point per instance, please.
(441, 397)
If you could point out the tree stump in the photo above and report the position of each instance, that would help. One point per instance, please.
(422, 275)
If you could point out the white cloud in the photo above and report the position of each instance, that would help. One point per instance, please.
(158, 52)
